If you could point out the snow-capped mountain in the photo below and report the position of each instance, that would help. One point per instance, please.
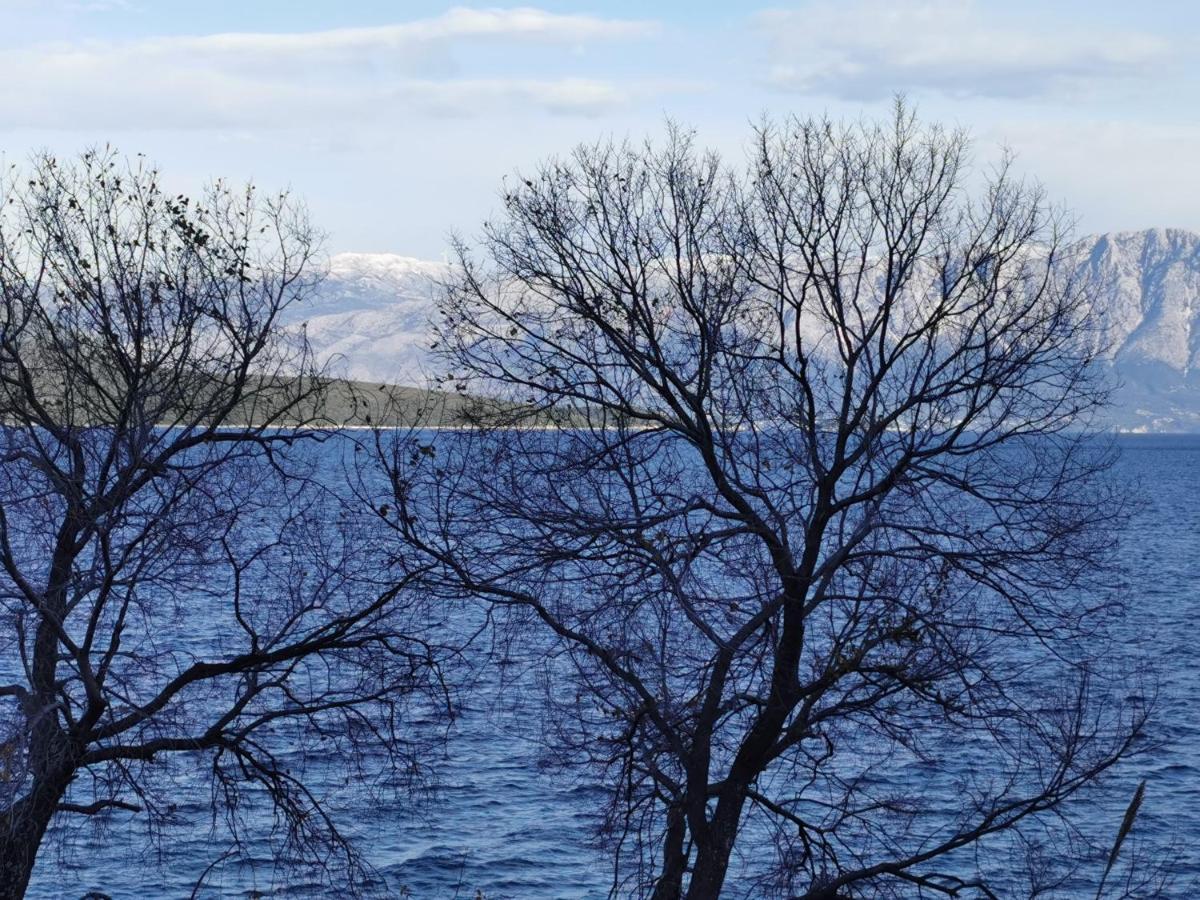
(1146, 286)
(372, 315)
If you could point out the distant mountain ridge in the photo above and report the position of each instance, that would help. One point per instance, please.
(1146, 286)
(372, 314)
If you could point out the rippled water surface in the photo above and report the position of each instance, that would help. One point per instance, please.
(500, 824)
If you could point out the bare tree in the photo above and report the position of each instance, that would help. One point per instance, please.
(174, 580)
(818, 534)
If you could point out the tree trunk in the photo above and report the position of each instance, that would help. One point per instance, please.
(52, 754)
(21, 831)
(17, 853)
(670, 883)
(712, 859)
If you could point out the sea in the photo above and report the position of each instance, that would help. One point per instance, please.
(495, 822)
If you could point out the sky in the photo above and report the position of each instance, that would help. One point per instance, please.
(397, 122)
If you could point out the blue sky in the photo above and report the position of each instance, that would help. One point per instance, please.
(397, 121)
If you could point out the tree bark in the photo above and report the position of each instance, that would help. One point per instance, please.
(712, 858)
(21, 831)
(670, 883)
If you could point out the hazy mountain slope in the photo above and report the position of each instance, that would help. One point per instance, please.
(373, 310)
(1145, 286)
(371, 315)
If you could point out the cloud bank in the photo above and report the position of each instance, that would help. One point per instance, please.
(267, 80)
(863, 50)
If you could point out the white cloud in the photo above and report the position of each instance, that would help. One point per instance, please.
(868, 49)
(98, 6)
(279, 79)
(455, 25)
(72, 6)
(577, 96)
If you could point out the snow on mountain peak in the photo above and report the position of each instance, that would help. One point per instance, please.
(372, 316)
(384, 267)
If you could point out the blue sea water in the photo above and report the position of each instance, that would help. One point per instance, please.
(498, 823)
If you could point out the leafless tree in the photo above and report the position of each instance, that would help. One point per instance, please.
(819, 531)
(174, 579)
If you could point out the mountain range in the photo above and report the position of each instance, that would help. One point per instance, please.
(371, 316)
